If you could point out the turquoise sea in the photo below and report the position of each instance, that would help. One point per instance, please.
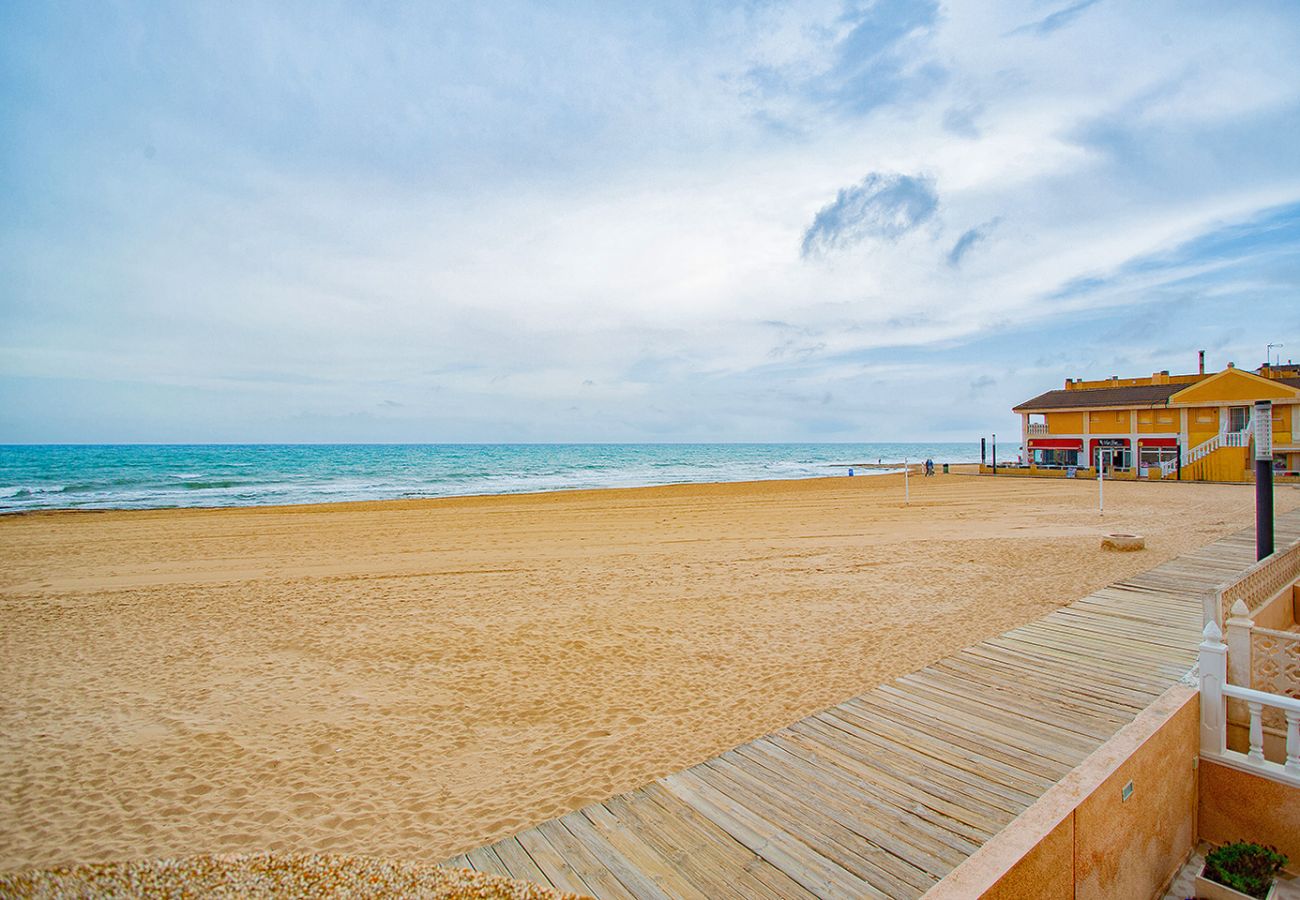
(135, 476)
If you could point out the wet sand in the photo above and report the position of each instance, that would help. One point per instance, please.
(411, 679)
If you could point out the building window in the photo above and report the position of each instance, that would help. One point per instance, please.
(1238, 418)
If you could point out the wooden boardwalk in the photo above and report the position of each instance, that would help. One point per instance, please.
(886, 793)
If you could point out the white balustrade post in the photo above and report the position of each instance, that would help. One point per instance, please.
(1237, 637)
(1256, 731)
(1214, 671)
(1293, 742)
(1211, 604)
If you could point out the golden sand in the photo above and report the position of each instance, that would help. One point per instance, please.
(268, 875)
(411, 679)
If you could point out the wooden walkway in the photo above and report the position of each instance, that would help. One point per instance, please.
(886, 793)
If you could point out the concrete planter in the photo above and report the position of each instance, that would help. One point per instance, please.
(1212, 890)
(1125, 543)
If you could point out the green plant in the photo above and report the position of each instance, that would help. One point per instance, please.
(1242, 866)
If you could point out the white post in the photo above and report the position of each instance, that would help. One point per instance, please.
(1256, 731)
(1214, 668)
(1237, 639)
(1101, 487)
(1293, 742)
(907, 490)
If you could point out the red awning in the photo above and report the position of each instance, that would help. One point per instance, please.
(1055, 443)
(1157, 442)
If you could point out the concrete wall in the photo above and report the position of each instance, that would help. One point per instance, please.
(1239, 806)
(1065, 423)
(1082, 838)
(1279, 612)
(1224, 464)
(1109, 421)
(1046, 871)
(1132, 848)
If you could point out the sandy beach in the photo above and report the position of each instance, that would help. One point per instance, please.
(411, 679)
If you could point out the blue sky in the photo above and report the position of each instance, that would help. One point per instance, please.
(585, 222)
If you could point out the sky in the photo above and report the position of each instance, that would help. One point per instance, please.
(821, 221)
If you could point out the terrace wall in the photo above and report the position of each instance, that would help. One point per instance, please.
(1230, 809)
(1082, 839)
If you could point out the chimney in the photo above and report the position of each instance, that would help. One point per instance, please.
(1202, 356)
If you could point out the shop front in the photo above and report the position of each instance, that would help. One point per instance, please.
(1111, 453)
(1153, 452)
(1055, 453)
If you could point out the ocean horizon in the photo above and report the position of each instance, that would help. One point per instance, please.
(160, 476)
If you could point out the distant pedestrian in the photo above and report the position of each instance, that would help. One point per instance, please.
(929, 467)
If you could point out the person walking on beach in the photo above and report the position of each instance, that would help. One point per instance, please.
(929, 467)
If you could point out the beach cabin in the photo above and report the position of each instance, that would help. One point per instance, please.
(1191, 427)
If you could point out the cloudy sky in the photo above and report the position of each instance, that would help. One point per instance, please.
(675, 221)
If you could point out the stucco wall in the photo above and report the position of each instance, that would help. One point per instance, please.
(1081, 838)
(1046, 872)
(1232, 807)
(1131, 848)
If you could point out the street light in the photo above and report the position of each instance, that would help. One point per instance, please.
(1263, 478)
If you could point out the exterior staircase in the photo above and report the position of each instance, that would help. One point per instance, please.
(1230, 449)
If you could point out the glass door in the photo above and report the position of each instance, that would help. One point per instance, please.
(1238, 418)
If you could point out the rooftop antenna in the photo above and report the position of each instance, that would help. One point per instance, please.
(1268, 354)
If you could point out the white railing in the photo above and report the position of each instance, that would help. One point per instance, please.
(1215, 693)
(1037, 428)
(1222, 439)
(1264, 659)
(1168, 467)
(1202, 450)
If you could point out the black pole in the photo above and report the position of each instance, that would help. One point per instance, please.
(995, 454)
(1178, 450)
(1263, 479)
(984, 451)
(1263, 508)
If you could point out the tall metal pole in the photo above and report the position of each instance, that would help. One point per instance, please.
(1263, 479)
(907, 489)
(995, 454)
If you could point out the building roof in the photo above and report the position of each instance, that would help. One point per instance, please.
(1135, 395)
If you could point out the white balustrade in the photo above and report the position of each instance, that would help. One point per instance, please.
(1216, 691)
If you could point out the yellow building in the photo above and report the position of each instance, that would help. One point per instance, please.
(1194, 427)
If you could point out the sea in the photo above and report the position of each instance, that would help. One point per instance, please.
(154, 476)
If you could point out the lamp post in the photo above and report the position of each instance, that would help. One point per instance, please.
(1263, 478)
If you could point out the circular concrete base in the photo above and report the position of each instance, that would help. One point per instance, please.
(1125, 542)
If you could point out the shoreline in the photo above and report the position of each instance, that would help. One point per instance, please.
(886, 471)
